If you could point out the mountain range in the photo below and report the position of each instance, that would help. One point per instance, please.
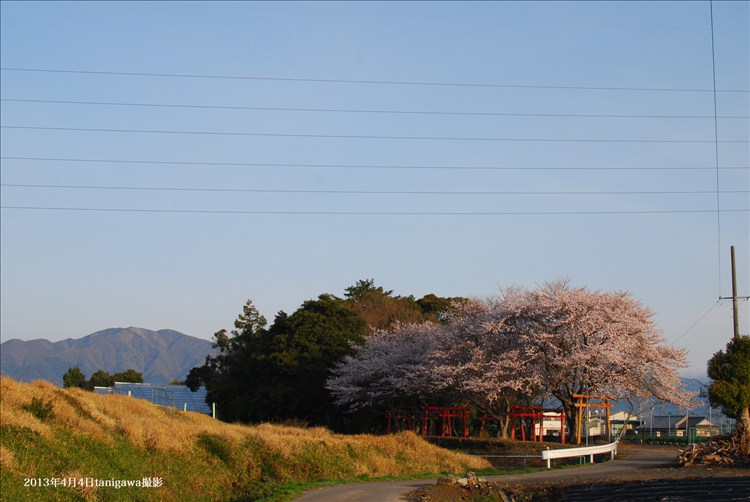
(161, 356)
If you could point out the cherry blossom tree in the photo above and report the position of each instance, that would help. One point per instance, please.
(592, 342)
(482, 361)
(467, 358)
(524, 346)
(390, 370)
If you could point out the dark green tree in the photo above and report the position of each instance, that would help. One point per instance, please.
(198, 376)
(364, 287)
(301, 351)
(74, 377)
(100, 378)
(729, 371)
(279, 373)
(231, 376)
(129, 375)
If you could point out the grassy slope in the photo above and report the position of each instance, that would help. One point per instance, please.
(117, 437)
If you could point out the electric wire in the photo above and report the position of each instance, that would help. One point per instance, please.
(363, 81)
(367, 111)
(694, 324)
(363, 192)
(366, 136)
(367, 166)
(367, 213)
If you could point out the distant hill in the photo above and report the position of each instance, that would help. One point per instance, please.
(160, 355)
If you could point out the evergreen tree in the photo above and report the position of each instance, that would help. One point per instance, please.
(129, 375)
(100, 378)
(730, 387)
(74, 377)
(279, 373)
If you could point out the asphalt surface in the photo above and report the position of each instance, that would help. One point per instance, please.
(633, 459)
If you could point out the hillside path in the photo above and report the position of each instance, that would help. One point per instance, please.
(633, 460)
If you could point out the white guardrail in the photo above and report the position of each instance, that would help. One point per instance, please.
(589, 451)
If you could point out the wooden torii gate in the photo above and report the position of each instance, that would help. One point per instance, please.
(582, 401)
(445, 413)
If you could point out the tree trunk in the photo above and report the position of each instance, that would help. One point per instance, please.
(502, 430)
(743, 429)
(571, 419)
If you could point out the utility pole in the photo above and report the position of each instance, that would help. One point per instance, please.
(734, 299)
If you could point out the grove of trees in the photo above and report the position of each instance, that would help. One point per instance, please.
(74, 377)
(522, 348)
(342, 362)
(279, 372)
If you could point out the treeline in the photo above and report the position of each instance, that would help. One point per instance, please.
(74, 377)
(342, 362)
(279, 372)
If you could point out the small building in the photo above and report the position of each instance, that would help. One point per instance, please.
(697, 427)
(622, 420)
(597, 426)
(679, 426)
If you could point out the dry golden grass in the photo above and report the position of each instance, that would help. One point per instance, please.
(228, 451)
(13, 397)
(162, 429)
(392, 455)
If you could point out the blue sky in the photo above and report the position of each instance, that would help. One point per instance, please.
(276, 151)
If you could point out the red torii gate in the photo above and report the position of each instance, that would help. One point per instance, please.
(537, 415)
(520, 413)
(445, 413)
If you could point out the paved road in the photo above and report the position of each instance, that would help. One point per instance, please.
(394, 491)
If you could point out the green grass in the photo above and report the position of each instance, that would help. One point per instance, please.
(79, 456)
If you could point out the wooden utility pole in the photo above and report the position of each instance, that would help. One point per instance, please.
(734, 299)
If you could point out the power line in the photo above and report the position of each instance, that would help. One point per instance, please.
(368, 82)
(366, 166)
(364, 136)
(694, 324)
(365, 192)
(367, 111)
(365, 213)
